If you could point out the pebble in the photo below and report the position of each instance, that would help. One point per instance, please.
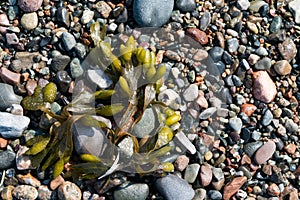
(59, 62)
(283, 67)
(44, 193)
(251, 148)
(170, 98)
(4, 20)
(200, 194)
(264, 88)
(182, 141)
(30, 5)
(131, 191)
(263, 64)
(152, 13)
(11, 39)
(10, 77)
(232, 45)
(63, 81)
(236, 124)
(25, 192)
(181, 162)
(80, 50)
(3, 143)
(99, 78)
(205, 20)
(68, 40)
(216, 53)
(294, 6)
(288, 49)
(26, 59)
(191, 93)
(261, 51)
(291, 126)
(290, 148)
(10, 129)
(200, 55)
(8, 97)
(69, 191)
(252, 27)
(127, 146)
(191, 172)
(256, 5)
(214, 195)
(206, 175)
(7, 158)
(76, 68)
(198, 35)
(185, 5)
(29, 21)
(233, 186)
(243, 4)
(28, 179)
(248, 109)
(276, 24)
(169, 185)
(146, 124)
(273, 190)
(103, 8)
(267, 118)
(63, 16)
(87, 16)
(6, 193)
(23, 161)
(265, 152)
(55, 183)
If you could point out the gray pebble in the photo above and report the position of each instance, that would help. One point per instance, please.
(251, 148)
(207, 113)
(169, 185)
(267, 118)
(291, 125)
(191, 93)
(130, 191)
(276, 24)
(25, 192)
(80, 50)
(59, 62)
(232, 45)
(205, 20)
(68, 40)
(11, 39)
(236, 124)
(99, 78)
(191, 172)
(76, 68)
(8, 126)
(8, 97)
(146, 124)
(185, 5)
(214, 195)
(7, 159)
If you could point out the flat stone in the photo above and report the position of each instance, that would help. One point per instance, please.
(68, 40)
(256, 5)
(198, 35)
(207, 113)
(8, 126)
(7, 158)
(10, 77)
(130, 191)
(63, 16)
(265, 152)
(26, 59)
(181, 140)
(8, 97)
(232, 45)
(152, 13)
(170, 98)
(205, 20)
(191, 172)
(191, 93)
(181, 162)
(206, 175)
(288, 49)
(29, 21)
(185, 5)
(127, 146)
(44, 193)
(30, 5)
(243, 4)
(25, 192)
(11, 39)
(263, 64)
(69, 191)
(283, 67)
(200, 194)
(6, 193)
(146, 124)
(28, 179)
(236, 124)
(60, 62)
(276, 24)
(294, 6)
(103, 8)
(267, 118)
(4, 20)
(264, 88)
(169, 185)
(200, 55)
(291, 126)
(87, 16)
(23, 162)
(251, 148)
(233, 186)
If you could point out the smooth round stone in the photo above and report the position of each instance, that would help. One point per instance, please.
(146, 124)
(69, 191)
(8, 126)
(25, 192)
(191, 172)
(76, 68)
(169, 185)
(7, 159)
(214, 195)
(291, 126)
(283, 67)
(261, 51)
(87, 16)
(205, 20)
(232, 45)
(191, 93)
(216, 53)
(276, 24)
(267, 118)
(29, 21)
(243, 4)
(30, 5)
(200, 194)
(99, 78)
(170, 98)
(251, 148)
(263, 64)
(130, 191)
(185, 5)
(256, 5)
(265, 152)
(236, 124)
(152, 13)
(68, 40)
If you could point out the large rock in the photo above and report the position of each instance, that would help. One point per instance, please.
(8, 97)
(12, 126)
(264, 88)
(152, 13)
(172, 187)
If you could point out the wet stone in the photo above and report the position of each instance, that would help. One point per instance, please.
(30, 5)
(185, 5)
(265, 152)
(232, 45)
(214, 195)
(152, 13)
(198, 35)
(6, 193)
(276, 24)
(131, 191)
(216, 53)
(168, 188)
(29, 21)
(25, 192)
(291, 125)
(63, 81)
(146, 124)
(76, 68)
(267, 118)
(243, 4)
(68, 40)
(63, 16)
(80, 50)
(69, 191)
(99, 78)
